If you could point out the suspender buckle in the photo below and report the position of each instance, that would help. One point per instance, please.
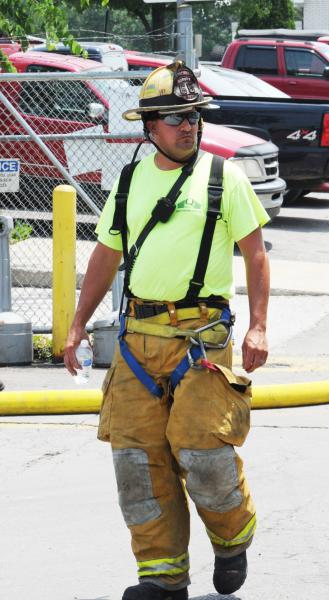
(163, 210)
(196, 285)
(214, 213)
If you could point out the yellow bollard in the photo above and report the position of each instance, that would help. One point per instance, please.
(64, 268)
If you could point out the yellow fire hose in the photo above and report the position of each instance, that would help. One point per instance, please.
(43, 402)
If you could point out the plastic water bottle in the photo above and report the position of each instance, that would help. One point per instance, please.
(84, 356)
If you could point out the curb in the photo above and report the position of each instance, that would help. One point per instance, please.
(43, 279)
(242, 290)
(37, 279)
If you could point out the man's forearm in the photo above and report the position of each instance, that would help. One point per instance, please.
(254, 347)
(258, 285)
(102, 268)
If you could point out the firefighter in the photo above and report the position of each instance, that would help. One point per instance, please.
(173, 409)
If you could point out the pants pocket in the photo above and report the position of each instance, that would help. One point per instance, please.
(105, 411)
(231, 401)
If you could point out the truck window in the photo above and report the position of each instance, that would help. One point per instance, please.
(257, 60)
(65, 100)
(303, 63)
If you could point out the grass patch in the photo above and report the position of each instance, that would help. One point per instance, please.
(21, 232)
(42, 348)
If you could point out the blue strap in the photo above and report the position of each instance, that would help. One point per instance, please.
(134, 365)
(226, 315)
(177, 374)
(184, 366)
(195, 353)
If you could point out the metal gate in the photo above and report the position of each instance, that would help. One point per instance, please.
(59, 128)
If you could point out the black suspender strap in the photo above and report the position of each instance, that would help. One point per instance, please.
(162, 211)
(119, 224)
(215, 191)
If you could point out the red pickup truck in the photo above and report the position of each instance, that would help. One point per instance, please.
(298, 67)
(58, 107)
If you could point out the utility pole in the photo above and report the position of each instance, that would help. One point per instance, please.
(185, 33)
(184, 29)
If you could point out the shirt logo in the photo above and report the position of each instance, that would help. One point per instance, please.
(189, 204)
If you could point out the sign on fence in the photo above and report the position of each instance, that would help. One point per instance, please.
(9, 175)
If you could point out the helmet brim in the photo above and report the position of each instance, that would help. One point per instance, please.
(135, 114)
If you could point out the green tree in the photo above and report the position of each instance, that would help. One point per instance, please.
(19, 18)
(130, 24)
(153, 18)
(262, 14)
(129, 20)
(282, 14)
(213, 21)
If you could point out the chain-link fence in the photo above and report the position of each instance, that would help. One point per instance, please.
(59, 128)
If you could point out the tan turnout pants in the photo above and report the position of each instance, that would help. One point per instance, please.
(182, 444)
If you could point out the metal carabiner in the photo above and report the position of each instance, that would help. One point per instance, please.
(198, 341)
(190, 358)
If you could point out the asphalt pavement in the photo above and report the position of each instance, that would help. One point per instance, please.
(62, 534)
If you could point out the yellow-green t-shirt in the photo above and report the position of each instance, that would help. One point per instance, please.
(167, 258)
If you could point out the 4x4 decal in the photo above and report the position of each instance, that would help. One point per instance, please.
(304, 134)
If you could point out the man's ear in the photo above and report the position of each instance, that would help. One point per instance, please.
(151, 127)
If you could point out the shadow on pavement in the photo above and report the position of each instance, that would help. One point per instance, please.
(207, 597)
(298, 224)
(215, 597)
(309, 202)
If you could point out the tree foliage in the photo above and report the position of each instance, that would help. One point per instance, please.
(263, 14)
(134, 24)
(20, 18)
(126, 27)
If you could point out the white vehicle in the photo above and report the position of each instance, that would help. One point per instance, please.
(111, 55)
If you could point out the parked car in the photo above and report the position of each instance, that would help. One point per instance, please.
(283, 33)
(300, 128)
(86, 104)
(299, 67)
(8, 46)
(112, 55)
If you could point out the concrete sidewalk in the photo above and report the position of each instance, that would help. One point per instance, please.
(289, 278)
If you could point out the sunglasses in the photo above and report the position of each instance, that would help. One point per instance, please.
(176, 119)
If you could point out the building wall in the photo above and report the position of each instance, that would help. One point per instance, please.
(316, 14)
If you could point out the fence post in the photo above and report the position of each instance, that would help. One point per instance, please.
(64, 267)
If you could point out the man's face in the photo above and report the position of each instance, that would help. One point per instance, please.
(179, 141)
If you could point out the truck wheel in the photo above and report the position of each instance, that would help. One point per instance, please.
(292, 196)
(273, 212)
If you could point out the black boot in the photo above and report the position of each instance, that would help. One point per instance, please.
(149, 591)
(2, 387)
(230, 573)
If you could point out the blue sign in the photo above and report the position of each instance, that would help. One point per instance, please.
(9, 175)
(9, 166)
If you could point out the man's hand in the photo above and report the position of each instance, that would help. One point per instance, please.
(102, 267)
(254, 347)
(254, 350)
(75, 336)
